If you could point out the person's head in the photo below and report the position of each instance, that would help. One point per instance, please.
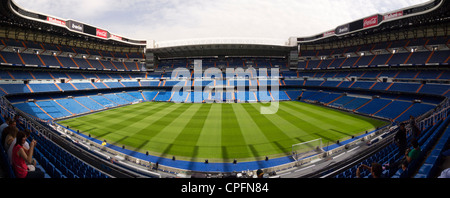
(8, 121)
(12, 123)
(259, 173)
(27, 132)
(377, 169)
(402, 126)
(21, 138)
(404, 165)
(11, 130)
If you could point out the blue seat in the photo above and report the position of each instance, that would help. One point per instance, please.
(420, 176)
(425, 169)
(57, 174)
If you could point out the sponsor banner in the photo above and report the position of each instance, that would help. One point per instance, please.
(371, 21)
(342, 29)
(79, 27)
(56, 21)
(393, 15)
(102, 33)
(115, 37)
(329, 33)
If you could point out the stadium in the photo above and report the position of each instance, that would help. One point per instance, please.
(102, 105)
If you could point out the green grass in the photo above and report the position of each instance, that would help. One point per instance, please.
(219, 132)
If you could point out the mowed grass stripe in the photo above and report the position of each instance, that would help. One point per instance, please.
(306, 122)
(233, 142)
(185, 143)
(279, 139)
(323, 115)
(323, 127)
(289, 127)
(219, 131)
(334, 128)
(254, 136)
(174, 124)
(150, 126)
(132, 120)
(333, 117)
(292, 124)
(114, 119)
(140, 132)
(153, 122)
(210, 139)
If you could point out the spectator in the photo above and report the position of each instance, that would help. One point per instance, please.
(400, 139)
(4, 125)
(445, 173)
(413, 154)
(27, 135)
(376, 170)
(20, 158)
(260, 173)
(11, 133)
(26, 146)
(415, 130)
(404, 168)
(17, 119)
(8, 123)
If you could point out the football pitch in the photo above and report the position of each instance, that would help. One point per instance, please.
(219, 132)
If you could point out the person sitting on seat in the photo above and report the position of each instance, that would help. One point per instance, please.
(376, 170)
(413, 154)
(20, 158)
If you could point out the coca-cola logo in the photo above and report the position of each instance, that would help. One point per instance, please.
(102, 33)
(371, 21)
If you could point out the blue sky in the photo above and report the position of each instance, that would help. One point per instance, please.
(169, 20)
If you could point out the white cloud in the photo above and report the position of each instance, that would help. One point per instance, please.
(163, 20)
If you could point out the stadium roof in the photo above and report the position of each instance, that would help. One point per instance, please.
(14, 15)
(209, 50)
(435, 11)
(222, 46)
(427, 13)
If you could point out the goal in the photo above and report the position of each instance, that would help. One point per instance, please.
(307, 149)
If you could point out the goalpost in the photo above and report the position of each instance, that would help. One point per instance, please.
(306, 149)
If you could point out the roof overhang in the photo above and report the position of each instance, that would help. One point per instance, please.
(212, 50)
(377, 22)
(68, 25)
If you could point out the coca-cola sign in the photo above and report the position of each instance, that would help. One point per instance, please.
(102, 33)
(371, 21)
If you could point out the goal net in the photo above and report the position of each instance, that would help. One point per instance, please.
(307, 149)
